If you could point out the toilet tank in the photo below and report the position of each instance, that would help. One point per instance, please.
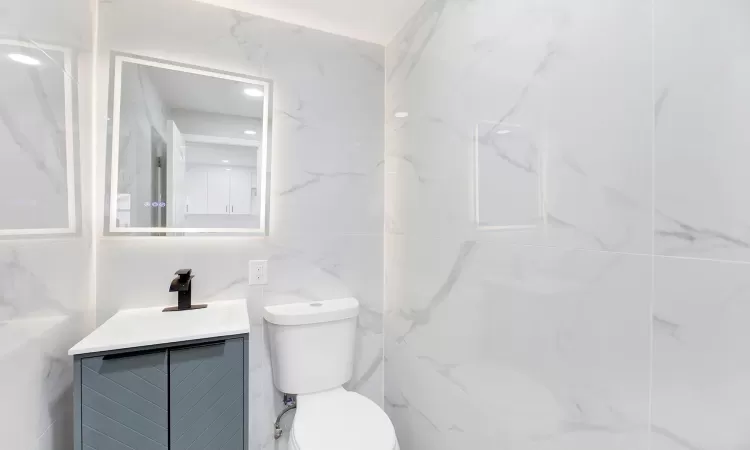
(312, 344)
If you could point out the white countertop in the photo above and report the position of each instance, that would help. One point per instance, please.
(141, 327)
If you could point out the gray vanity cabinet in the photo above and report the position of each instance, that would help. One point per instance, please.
(206, 397)
(124, 401)
(183, 396)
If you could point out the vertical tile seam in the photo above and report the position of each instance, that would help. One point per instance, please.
(652, 300)
(93, 160)
(383, 306)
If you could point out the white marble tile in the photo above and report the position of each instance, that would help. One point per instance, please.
(503, 346)
(48, 21)
(701, 392)
(491, 344)
(37, 382)
(136, 272)
(702, 76)
(576, 77)
(43, 278)
(44, 298)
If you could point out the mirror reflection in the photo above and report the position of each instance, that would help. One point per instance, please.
(36, 139)
(189, 149)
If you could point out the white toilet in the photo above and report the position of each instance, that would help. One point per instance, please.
(312, 355)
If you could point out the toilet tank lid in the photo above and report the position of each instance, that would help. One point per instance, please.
(312, 312)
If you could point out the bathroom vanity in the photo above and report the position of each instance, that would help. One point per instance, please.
(153, 380)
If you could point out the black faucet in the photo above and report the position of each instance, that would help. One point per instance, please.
(182, 284)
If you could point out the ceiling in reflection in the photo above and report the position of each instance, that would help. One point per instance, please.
(182, 90)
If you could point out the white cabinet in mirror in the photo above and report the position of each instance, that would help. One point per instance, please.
(37, 139)
(189, 149)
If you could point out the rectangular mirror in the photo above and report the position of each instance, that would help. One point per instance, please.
(189, 149)
(37, 139)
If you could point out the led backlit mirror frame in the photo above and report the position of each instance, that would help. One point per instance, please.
(71, 140)
(118, 59)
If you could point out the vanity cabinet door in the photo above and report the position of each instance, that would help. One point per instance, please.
(207, 396)
(124, 401)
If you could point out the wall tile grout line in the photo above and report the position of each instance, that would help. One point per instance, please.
(653, 226)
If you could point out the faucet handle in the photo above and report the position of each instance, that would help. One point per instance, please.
(185, 274)
(181, 285)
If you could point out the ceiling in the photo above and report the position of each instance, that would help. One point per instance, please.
(206, 105)
(221, 155)
(375, 21)
(182, 90)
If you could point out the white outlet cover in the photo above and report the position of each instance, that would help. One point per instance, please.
(258, 272)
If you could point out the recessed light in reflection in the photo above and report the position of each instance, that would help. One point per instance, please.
(227, 169)
(250, 132)
(225, 160)
(24, 59)
(253, 92)
(401, 114)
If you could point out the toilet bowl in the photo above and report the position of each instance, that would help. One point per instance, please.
(340, 420)
(312, 356)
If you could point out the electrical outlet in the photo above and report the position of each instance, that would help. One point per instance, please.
(258, 272)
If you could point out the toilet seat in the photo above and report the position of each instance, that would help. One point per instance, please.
(340, 420)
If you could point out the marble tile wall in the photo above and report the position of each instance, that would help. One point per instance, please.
(701, 90)
(326, 226)
(45, 280)
(598, 300)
